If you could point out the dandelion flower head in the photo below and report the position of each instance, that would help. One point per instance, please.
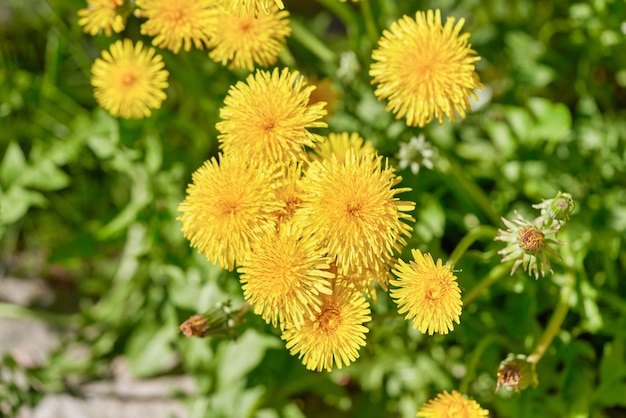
(177, 24)
(102, 15)
(335, 334)
(353, 205)
(229, 205)
(251, 6)
(451, 405)
(425, 69)
(246, 39)
(267, 118)
(284, 276)
(338, 144)
(428, 293)
(288, 190)
(129, 80)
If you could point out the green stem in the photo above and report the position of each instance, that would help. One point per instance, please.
(370, 22)
(483, 231)
(495, 273)
(342, 11)
(467, 189)
(476, 358)
(558, 316)
(311, 42)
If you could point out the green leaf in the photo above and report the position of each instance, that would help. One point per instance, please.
(45, 176)
(13, 165)
(16, 201)
(149, 349)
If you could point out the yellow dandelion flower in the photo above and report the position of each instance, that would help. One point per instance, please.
(335, 334)
(284, 276)
(228, 207)
(338, 144)
(365, 279)
(176, 24)
(251, 6)
(129, 80)
(267, 117)
(245, 39)
(102, 15)
(429, 293)
(426, 70)
(288, 193)
(353, 206)
(451, 405)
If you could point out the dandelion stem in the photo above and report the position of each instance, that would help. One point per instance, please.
(558, 316)
(370, 23)
(342, 11)
(495, 273)
(310, 41)
(483, 231)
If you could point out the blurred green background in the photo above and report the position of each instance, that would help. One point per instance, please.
(88, 212)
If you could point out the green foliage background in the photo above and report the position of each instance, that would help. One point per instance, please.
(88, 202)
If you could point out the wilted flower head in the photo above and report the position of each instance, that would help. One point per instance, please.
(425, 69)
(451, 405)
(555, 212)
(218, 322)
(129, 80)
(517, 373)
(102, 15)
(416, 153)
(428, 293)
(527, 245)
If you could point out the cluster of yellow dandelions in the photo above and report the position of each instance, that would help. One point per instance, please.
(130, 79)
(310, 223)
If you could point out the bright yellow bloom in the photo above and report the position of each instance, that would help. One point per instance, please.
(267, 118)
(338, 144)
(354, 208)
(102, 15)
(335, 334)
(228, 207)
(364, 281)
(289, 193)
(429, 293)
(129, 80)
(245, 39)
(178, 23)
(451, 405)
(426, 70)
(284, 276)
(252, 6)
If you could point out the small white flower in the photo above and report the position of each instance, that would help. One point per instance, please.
(416, 153)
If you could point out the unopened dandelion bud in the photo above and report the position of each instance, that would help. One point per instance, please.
(516, 372)
(556, 210)
(219, 322)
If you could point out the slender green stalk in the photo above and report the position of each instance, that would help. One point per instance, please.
(310, 42)
(342, 11)
(476, 358)
(495, 273)
(370, 23)
(558, 316)
(482, 231)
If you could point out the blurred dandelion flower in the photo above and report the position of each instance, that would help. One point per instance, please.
(325, 91)
(176, 24)
(251, 6)
(416, 153)
(335, 334)
(229, 205)
(245, 39)
(338, 144)
(426, 70)
(365, 279)
(451, 405)
(527, 245)
(428, 292)
(353, 205)
(267, 117)
(284, 276)
(129, 80)
(102, 15)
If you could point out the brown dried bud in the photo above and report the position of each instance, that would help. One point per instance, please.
(531, 239)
